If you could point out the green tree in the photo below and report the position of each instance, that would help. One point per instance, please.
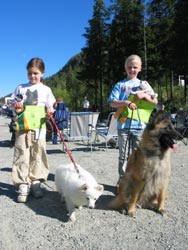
(180, 49)
(126, 35)
(159, 42)
(159, 37)
(93, 53)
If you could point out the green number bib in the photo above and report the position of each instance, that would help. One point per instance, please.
(33, 117)
(144, 110)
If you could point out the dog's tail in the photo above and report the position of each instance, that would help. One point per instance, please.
(116, 203)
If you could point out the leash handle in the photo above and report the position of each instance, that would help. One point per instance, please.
(66, 147)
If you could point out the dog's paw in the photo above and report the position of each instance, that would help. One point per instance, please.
(72, 220)
(162, 211)
(72, 217)
(130, 213)
(139, 206)
(123, 211)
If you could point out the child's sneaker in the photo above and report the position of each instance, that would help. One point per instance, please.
(23, 193)
(36, 189)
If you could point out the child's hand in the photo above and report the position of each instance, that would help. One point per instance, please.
(132, 106)
(48, 115)
(141, 96)
(19, 107)
(49, 112)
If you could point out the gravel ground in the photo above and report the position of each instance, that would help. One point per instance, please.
(43, 223)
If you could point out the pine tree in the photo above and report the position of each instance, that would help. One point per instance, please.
(93, 53)
(180, 55)
(126, 35)
(159, 37)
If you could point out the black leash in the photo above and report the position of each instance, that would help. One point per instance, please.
(129, 134)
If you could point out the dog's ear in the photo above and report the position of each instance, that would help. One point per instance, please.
(84, 187)
(153, 114)
(161, 115)
(157, 118)
(100, 188)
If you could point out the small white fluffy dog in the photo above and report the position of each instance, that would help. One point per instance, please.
(77, 189)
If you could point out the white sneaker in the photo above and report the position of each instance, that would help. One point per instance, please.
(23, 193)
(36, 189)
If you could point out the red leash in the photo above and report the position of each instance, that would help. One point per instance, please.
(67, 149)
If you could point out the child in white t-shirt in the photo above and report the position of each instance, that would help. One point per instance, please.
(33, 101)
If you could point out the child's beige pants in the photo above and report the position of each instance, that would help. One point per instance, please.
(30, 160)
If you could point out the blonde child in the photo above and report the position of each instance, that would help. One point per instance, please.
(119, 98)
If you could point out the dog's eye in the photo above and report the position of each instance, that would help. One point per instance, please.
(167, 127)
(87, 198)
(170, 127)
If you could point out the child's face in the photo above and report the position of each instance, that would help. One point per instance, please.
(132, 69)
(34, 75)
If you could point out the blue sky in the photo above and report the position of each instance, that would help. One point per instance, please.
(52, 30)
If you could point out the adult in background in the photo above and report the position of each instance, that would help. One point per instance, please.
(173, 115)
(86, 104)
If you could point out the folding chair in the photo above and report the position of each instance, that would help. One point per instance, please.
(109, 131)
(182, 124)
(82, 126)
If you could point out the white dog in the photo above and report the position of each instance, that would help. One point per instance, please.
(77, 189)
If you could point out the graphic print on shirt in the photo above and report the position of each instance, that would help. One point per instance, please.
(32, 97)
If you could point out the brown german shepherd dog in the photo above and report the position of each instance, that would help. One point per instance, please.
(148, 169)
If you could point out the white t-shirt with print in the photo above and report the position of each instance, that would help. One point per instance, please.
(36, 94)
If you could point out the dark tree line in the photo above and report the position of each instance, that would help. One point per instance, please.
(157, 31)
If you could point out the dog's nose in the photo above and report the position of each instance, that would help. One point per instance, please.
(91, 206)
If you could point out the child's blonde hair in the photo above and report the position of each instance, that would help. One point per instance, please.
(133, 58)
